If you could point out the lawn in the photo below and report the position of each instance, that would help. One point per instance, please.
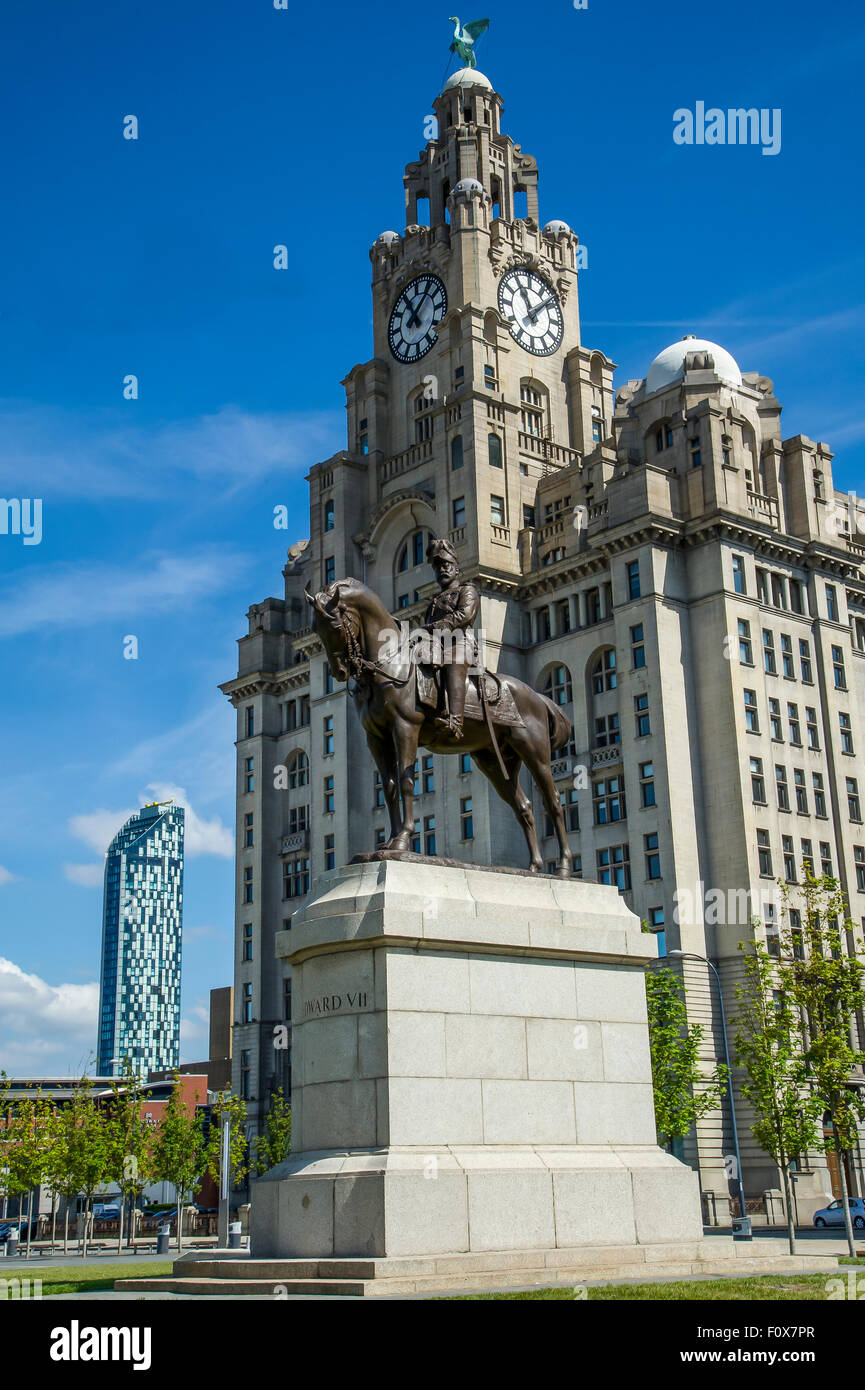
(74, 1279)
(768, 1288)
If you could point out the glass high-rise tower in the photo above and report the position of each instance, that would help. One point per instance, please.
(139, 998)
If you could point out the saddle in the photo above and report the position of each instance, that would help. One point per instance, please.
(500, 700)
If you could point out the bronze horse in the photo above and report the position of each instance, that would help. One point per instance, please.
(363, 644)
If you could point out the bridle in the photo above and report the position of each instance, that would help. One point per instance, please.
(360, 668)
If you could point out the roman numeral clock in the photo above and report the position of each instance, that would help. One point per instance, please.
(412, 328)
(531, 308)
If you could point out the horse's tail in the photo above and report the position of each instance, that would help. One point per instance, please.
(561, 727)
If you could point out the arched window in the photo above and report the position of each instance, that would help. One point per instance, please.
(298, 771)
(557, 686)
(604, 672)
(329, 518)
(457, 451)
(494, 444)
(532, 408)
(412, 552)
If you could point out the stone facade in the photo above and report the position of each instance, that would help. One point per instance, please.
(618, 540)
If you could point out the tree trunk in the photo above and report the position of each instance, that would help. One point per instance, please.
(120, 1227)
(29, 1224)
(845, 1196)
(86, 1227)
(179, 1225)
(66, 1229)
(53, 1220)
(788, 1200)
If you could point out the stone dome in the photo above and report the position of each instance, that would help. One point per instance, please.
(556, 228)
(467, 77)
(387, 239)
(470, 187)
(669, 365)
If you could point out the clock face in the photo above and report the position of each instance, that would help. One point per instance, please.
(532, 309)
(412, 328)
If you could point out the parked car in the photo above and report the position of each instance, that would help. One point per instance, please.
(9, 1228)
(154, 1219)
(833, 1215)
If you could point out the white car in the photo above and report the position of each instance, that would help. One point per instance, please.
(833, 1215)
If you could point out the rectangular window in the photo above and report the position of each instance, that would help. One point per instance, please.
(490, 377)
(248, 830)
(465, 762)
(787, 657)
(593, 607)
(528, 515)
(329, 569)
(459, 512)
(811, 726)
(633, 577)
(298, 819)
(329, 796)
(563, 615)
(250, 774)
(853, 807)
(250, 721)
(286, 998)
(638, 650)
(304, 711)
(775, 721)
(831, 603)
(796, 599)
(859, 862)
(607, 730)
(789, 858)
(497, 510)
(653, 857)
(428, 773)
(647, 784)
(762, 586)
(329, 852)
(807, 856)
(248, 884)
(608, 796)
(846, 733)
(801, 792)
(758, 782)
(779, 591)
(746, 654)
(467, 824)
(826, 858)
(838, 669)
(769, 652)
(819, 795)
(429, 834)
(247, 1003)
(793, 725)
(641, 715)
(327, 679)
(544, 626)
(739, 585)
(247, 941)
(614, 866)
(764, 854)
(805, 661)
(781, 788)
(327, 734)
(752, 719)
(570, 808)
(696, 455)
(295, 878)
(245, 1074)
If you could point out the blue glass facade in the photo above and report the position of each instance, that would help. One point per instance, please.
(139, 997)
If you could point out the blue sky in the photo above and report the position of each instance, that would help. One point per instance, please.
(257, 127)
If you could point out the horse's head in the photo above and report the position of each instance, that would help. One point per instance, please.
(335, 623)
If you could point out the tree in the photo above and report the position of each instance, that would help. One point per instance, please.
(273, 1145)
(683, 1092)
(62, 1169)
(769, 1047)
(238, 1147)
(130, 1157)
(179, 1149)
(821, 969)
(90, 1138)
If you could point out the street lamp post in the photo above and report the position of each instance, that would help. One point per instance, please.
(690, 955)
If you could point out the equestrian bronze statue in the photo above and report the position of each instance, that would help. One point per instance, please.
(427, 689)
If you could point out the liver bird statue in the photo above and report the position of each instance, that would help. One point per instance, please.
(466, 37)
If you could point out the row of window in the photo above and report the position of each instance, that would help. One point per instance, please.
(806, 858)
(752, 723)
(787, 664)
(614, 867)
(758, 791)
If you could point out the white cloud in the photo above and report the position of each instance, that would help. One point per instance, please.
(6, 876)
(85, 875)
(202, 836)
(105, 455)
(67, 596)
(45, 1028)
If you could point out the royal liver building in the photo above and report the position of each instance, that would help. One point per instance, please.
(658, 558)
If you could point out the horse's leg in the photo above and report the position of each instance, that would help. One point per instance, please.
(405, 742)
(539, 767)
(384, 753)
(509, 790)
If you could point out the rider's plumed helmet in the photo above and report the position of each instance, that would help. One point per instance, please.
(440, 550)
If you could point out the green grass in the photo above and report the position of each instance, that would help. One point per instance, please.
(77, 1279)
(766, 1289)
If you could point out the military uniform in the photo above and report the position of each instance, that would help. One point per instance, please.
(452, 611)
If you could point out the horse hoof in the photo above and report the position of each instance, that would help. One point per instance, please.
(563, 871)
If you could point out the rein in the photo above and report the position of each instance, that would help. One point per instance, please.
(360, 666)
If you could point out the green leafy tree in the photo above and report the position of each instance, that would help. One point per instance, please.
(179, 1150)
(683, 1092)
(768, 1047)
(62, 1169)
(91, 1142)
(821, 969)
(130, 1159)
(273, 1145)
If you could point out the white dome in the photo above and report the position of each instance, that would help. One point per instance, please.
(467, 77)
(469, 187)
(387, 238)
(669, 365)
(556, 228)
